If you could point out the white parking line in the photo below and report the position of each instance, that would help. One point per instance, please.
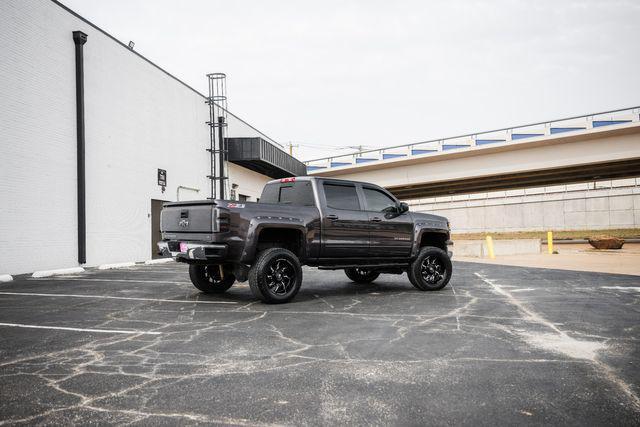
(120, 298)
(63, 328)
(622, 288)
(88, 279)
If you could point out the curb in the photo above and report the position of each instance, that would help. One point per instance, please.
(5, 278)
(116, 265)
(580, 241)
(158, 261)
(49, 273)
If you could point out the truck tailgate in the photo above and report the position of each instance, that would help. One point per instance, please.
(188, 217)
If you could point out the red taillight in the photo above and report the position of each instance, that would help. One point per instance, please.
(292, 179)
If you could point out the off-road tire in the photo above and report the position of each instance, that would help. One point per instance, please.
(431, 270)
(361, 275)
(276, 276)
(208, 280)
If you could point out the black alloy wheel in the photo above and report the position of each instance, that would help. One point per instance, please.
(276, 276)
(431, 270)
(281, 276)
(211, 279)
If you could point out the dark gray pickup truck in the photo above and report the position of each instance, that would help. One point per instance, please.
(326, 223)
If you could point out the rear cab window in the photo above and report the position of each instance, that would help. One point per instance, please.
(296, 193)
(341, 196)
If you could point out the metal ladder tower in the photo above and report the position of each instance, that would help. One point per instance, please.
(217, 102)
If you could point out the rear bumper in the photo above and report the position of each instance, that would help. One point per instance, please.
(192, 251)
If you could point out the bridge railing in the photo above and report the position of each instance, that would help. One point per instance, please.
(486, 138)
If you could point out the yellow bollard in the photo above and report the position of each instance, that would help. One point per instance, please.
(550, 241)
(490, 247)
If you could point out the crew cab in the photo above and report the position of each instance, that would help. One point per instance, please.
(320, 222)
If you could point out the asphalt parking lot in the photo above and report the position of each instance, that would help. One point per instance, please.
(500, 345)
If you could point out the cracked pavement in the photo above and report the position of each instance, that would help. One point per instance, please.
(499, 345)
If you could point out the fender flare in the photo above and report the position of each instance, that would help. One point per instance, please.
(419, 232)
(256, 226)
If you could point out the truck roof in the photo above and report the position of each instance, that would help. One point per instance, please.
(314, 178)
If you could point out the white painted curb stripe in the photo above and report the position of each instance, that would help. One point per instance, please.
(183, 301)
(116, 265)
(63, 328)
(49, 273)
(158, 261)
(6, 277)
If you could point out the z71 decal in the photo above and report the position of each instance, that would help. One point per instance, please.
(235, 205)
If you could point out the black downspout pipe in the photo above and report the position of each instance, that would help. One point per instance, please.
(221, 155)
(80, 38)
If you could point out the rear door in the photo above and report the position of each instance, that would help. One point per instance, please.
(345, 226)
(390, 234)
(156, 235)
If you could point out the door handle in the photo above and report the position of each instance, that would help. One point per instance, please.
(375, 219)
(332, 217)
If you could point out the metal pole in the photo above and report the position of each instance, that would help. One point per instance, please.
(80, 38)
(222, 151)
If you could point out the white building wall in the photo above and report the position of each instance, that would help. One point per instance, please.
(138, 119)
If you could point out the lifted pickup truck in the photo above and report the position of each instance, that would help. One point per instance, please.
(326, 223)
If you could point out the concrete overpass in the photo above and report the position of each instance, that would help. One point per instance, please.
(577, 149)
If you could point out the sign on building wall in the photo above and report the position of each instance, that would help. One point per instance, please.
(162, 177)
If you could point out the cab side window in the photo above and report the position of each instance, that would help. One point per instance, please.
(299, 194)
(377, 201)
(341, 196)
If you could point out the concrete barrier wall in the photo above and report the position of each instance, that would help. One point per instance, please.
(478, 248)
(595, 205)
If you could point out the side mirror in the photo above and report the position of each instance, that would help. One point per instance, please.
(403, 207)
(394, 211)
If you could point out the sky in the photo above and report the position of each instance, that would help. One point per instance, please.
(328, 75)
